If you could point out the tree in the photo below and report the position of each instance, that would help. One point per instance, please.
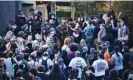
(126, 7)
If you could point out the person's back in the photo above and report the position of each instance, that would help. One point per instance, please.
(78, 63)
(9, 67)
(118, 61)
(100, 67)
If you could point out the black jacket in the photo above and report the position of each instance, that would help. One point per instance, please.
(56, 76)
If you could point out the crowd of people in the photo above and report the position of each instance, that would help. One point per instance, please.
(95, 48)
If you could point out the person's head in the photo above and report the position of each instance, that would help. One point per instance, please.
(39, 53)
(113, 74)
(41, 68)
(66, 41)
(19, 73)
(18, 57)
(33, 72)
(32, 10)
(60, 61)
(39, 13)
(45, 54)
(63, 22)
(92, 50)
(52, 16)
(20, 14)
(51, 21)
(78, 54)
(74, 46)
(100, 48)
(82, 42)
(56, 68)
(5, 76)
(126, 49)
(64, 53)
(116, 49)
(100, 56)
(70, 20)
(10, 54)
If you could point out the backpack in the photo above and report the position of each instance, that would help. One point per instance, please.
(44, 63)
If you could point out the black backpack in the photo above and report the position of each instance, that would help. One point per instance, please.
(44, 63)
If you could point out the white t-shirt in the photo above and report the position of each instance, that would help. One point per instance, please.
(77, 63)
(100, 67)
(65, 47)
(9, 67)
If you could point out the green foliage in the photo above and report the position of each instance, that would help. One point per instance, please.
(126, 7)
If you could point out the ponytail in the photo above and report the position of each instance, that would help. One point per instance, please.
(116, 49)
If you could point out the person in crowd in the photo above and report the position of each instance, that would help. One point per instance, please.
(82, 24)
(32, 61)
(76, 34)
(20, 20)
(34, 26)
(30, 15)
(92, 56)
(78, 63)
(71, 27)
(19, 75)
(117, 59)
(123, 32)
(83, 48)
(125, 57)
(52, 16)
(46, 62)
(66, 44)
(109, 60)
(37, 47)
(5, 76)
(101, 33)
(65, 58)
(89, 31)
(90, 73)
(114, 75)
(41, 72)
(73, 49)
(100, 67)
(56, 73)
(9, 65)
(62, 31)
(33, 74)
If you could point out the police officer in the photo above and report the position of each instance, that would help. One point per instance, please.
(20, 20)
(34, 26)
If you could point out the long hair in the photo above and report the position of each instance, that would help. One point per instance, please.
(56, 68)
(116, 49)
